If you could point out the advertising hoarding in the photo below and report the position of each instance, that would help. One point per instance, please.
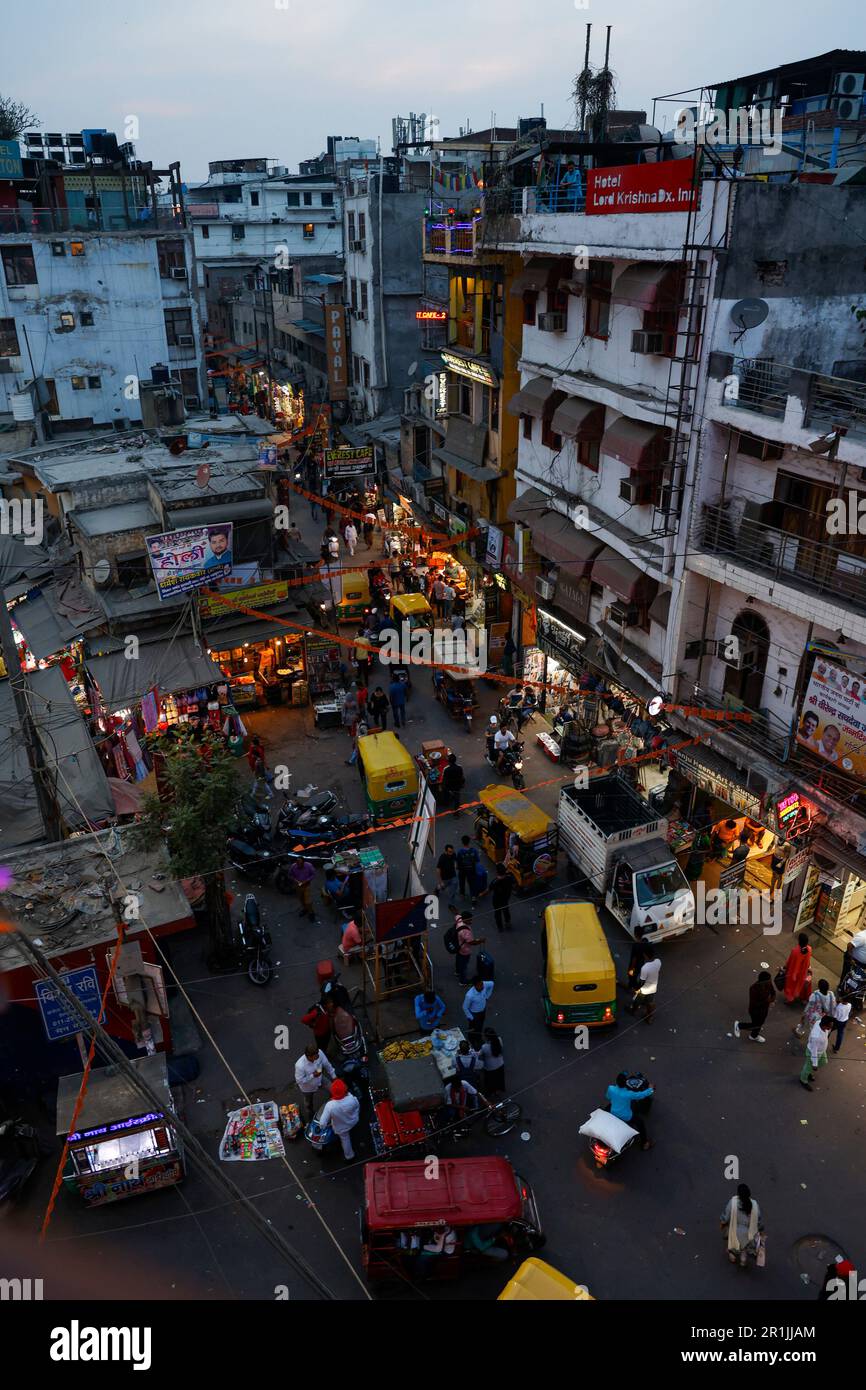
(183, 561)
(642, 188)
(833, 718)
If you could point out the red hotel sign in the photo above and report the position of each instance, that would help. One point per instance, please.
(642, 188)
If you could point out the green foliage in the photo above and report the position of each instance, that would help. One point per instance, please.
(195, 822)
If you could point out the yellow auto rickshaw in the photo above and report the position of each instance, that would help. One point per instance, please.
(579, 973)
(515, 832)
(538, 1282)
(413, 609)
(356, 597)
(389, 775)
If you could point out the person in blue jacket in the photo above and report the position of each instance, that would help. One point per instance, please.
(621, 1099)
(429, 1008)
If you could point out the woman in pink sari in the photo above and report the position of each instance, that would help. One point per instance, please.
(798, 971)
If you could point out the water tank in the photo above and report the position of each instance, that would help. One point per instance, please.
(159, 374)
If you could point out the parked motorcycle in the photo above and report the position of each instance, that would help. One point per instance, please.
(254, 941)
(512, 765)
(853, 985)
(308, 806)
(259, 863)
(20, 1152)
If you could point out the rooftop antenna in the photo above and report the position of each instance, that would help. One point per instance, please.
(585, 76)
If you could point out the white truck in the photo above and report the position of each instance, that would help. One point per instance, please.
(617, 842)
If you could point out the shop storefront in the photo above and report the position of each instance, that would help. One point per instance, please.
(833, 899)
(263, 661)
(721, 828)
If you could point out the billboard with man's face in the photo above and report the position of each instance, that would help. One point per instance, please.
(186, 560)
(833, 718)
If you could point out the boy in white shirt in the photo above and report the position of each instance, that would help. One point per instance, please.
(841, 1015)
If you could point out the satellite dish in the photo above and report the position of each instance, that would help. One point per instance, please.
(202, 475)
(748, 313)
(101, 572)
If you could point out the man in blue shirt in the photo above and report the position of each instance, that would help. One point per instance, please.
(429, 1008)
(397, 696)
(621, 1100)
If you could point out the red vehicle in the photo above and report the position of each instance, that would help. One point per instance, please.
(405, 1201)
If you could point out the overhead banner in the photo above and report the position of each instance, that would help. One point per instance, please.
(256, 596)
(186, 560)
(833, 718)
(338, 361)
(642, 188)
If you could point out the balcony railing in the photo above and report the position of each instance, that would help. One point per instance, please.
(44, 221)
(765, 387)
(445, 238)
(762, 386)
(837, 400)
(766, 733)
(516, 202)
(808, 564)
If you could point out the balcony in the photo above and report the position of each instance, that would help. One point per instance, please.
(448, 240)
(762, 386)
(518, 202)
(837, 400)
(807, 564)
(46, 221)
(803, 400)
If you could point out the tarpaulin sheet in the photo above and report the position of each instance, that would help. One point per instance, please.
(172, 666)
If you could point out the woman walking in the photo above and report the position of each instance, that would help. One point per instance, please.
(820, 1002)
(798, 971)
(743, 1225)
(493, 1061)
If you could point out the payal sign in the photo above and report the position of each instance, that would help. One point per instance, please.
(667, 187)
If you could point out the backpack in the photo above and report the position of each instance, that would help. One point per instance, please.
(451, 941)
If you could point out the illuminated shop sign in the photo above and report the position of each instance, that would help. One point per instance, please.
(117, 1128)
(466, 366)
(431, 315)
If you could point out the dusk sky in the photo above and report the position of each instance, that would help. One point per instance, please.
(218, 79)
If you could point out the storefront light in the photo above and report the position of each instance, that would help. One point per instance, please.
(565, 628)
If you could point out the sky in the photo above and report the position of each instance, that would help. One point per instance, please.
(228, 79)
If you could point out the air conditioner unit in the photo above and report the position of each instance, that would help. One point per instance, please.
(623, 615)
(849, 84)
(552, 323)
(746, 658)
(847, 108)
(185, 340)
(649, 344)
(357, 245)
(356, 395)
(179, 272)
(637, 491)
(545, 588)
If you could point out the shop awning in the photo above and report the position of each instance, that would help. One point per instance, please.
(640, 447)
(532, 279)
(45, 631)
(172, 666)
(464, 450)
(554, 535)
(650, 285)
(532, 398)
(660, 608)
(82, 788)
(20, 561)
(258, 509)
(616, 573)
(578, 419)
(233, 629)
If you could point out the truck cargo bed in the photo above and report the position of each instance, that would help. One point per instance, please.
(596, 821)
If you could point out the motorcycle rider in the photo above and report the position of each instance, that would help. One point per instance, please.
(621, 1099)
(502, 743)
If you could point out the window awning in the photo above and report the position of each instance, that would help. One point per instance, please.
(464, 449)
(640, 447)
(660, 608)
(532, 398)
(618, 574)
(482, 473)
(532, 279)
(172, 666)
(579, 419)
(650, 285)
(554, 535)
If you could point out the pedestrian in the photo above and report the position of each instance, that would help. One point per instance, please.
(637, 958)
(362, 656)
(798, 971)
(369, 528)
(468, 864)
(460, 1097)
(446, 868)
(438, 595)
(468, 1065)
(816, 1051)
(820, 1002)
(453, 781)
(648, 980)
(362, 730)
(465, 942)
(302, 874)
(509, 652)
(761, 996)
(621, 1102)
(342, 1113)
(475, 1002)
(377, 707)
(500, 895)
(351, 712)
(344, 1025)
(449, 594)
(310, 1072)
(458, 622)
(318, 1019)
(742, 1225)
(350, 536)
(255, 753)
(429, 1009)
(841, 1015)
(397, 697)
(493, 1062)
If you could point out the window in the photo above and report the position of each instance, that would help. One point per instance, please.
(178, 325)
(365, 301)
(587, 453)
(366, 366)
(527, 426)
(353, 286)
(362, 226)
(350, 218)
(293, 200)
(76, 248)
(464, 398)
(19, 266)
(205, 231)
(85, 319)
(170, 254)
(308, 200)
(58, 248)
(666, 322)
(309, 231)
(548, 438)
(356, 369)
(494, 410)
(327, 200)
(756, 448)
(94, 383)
(254, 200)
(79, 383)
(66, 322)
(239, 232)
(133, 569)
(598, 288)
(530, 305)
(8, 338)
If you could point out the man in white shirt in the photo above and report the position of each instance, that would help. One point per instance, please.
(503, 740)
(342, 1113)
(310, 1073)
(475, 1003)
(350, 536)
(841, 1015)
(645, 994)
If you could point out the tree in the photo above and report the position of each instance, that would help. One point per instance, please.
(15, 117)
(194, 822)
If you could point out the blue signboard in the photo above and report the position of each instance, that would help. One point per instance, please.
(59, 1022)
(10, 160)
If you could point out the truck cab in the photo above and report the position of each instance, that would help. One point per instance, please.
(647, 888)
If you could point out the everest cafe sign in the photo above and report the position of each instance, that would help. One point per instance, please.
(667, 187)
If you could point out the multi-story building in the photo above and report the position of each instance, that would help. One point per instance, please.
(96, 290)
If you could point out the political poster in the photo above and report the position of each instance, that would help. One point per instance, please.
(183, 561)
(833, 718)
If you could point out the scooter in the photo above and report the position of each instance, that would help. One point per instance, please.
(254, 941)
(853, 986)
(467, 713)
(606, 1154)
(20, 1152)
(512, 765)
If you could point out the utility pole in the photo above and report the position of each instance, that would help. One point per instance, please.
(45, 795)
(585, 76)
(156, 1103)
